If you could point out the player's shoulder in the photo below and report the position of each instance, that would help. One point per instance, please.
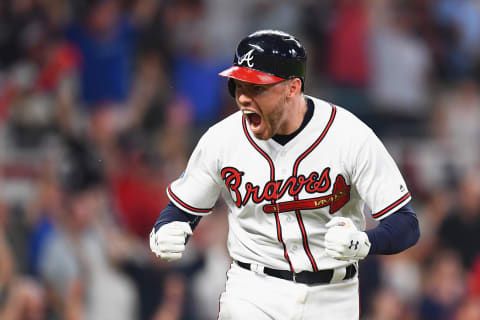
(230, 125)
(343, 120)
(225, 130)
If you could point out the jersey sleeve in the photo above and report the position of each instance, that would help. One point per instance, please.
(378, 179)
(196, 191)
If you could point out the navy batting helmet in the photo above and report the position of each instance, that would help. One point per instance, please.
(267, 57)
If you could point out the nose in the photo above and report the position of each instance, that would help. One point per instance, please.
(242, 97)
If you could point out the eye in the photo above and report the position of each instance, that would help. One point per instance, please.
(258, 88)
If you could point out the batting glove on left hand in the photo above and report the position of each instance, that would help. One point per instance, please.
(343, 241)
(168, 242)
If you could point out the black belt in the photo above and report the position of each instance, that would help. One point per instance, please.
(307, 277)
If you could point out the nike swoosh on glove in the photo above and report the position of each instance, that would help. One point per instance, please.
(168, 242)
(343, 241)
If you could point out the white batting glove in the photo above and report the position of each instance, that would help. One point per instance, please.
(168, 242)
(343, 241)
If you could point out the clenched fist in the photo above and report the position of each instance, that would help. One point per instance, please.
(343, 241)
(168, 242)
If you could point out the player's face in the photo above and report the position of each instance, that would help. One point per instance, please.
(264, 106)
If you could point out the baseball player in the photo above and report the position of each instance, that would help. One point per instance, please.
(295, 172)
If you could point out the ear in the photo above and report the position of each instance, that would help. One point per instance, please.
(294, 87)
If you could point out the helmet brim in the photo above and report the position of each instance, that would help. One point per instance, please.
(249, 75)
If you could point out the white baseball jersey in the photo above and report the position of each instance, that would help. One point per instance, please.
(280, 197)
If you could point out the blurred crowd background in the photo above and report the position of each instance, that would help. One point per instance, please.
(102, 101)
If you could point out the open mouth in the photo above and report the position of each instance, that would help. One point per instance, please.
(253, 118)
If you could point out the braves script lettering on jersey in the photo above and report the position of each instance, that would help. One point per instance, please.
(280, 197)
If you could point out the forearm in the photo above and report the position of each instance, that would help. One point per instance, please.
(395, 233)
(171, 213)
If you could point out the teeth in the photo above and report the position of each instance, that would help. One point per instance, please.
(247, 112)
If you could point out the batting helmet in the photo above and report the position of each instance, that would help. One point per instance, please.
(266, 57)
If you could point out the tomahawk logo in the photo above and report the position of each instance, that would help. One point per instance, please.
(248, 57)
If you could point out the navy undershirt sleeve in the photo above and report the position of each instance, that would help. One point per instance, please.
(397, 232)
(172, 213)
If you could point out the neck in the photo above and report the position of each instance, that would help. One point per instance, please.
(294, 115)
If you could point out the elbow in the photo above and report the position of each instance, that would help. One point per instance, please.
(410, 237)
(415, 233)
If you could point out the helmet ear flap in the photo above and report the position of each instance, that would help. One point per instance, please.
(231, 87)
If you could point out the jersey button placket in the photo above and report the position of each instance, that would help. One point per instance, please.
(282, 163)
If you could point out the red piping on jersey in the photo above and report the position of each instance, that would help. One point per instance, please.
(272, 178)
(390, 207)
(295, 171)
(174, 196)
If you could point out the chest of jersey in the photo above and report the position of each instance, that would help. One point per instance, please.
(286, 178)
